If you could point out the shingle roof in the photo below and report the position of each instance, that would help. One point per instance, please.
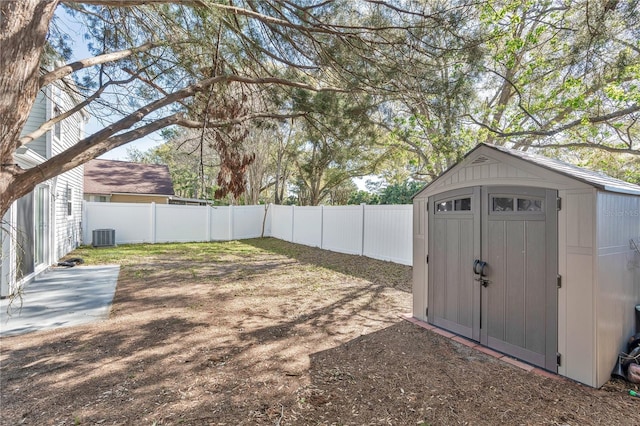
(110, 176)
(590, 177)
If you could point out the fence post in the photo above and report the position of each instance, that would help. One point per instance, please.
(84, 224)
(230, 222)
(152, 209)
(322, 226)
(208, 216)
(362, 239)
(293, 219)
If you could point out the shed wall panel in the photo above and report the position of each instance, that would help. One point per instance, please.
(618, 275)
(576, 309)
(499, 169)
(580, 357)
(420, 282)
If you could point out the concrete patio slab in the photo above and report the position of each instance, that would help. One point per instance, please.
(61, 297)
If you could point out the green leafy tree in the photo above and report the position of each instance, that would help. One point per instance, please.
(363, 197)
(163, 63)
(434, 77)
(400, 193)
(336, 143)
(567, 74)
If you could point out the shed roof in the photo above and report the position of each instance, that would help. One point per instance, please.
(599, 180)
(590, 177)
(110, 176)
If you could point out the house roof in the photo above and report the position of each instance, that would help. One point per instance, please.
(110, 176)
(590, 177)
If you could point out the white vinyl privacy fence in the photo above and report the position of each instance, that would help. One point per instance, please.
(379, 232)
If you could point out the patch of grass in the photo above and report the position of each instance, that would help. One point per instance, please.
(245, 260)
(127, 254)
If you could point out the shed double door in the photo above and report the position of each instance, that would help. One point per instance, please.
(493, 264)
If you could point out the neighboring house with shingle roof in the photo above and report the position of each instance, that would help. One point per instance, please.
(127, 182)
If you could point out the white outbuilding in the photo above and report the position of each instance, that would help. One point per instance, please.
(532, 257)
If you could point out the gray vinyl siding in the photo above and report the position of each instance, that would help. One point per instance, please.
(38, 115)
(65, 232)
(68, 234)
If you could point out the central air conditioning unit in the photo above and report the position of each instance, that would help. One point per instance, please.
(103, 237)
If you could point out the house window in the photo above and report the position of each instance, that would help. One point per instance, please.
(57, 128)
(68, 196)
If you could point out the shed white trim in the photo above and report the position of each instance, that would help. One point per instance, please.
(599, 270)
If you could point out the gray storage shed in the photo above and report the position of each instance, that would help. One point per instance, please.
(532, 257)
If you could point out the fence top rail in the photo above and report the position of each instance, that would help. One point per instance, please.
(389, 206)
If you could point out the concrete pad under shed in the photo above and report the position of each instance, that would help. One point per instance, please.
(60, 297)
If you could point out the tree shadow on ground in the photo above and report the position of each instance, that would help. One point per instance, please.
(196, 342)
(395, 275)
(403, 374)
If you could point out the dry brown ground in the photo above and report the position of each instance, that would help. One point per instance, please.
(266, 332)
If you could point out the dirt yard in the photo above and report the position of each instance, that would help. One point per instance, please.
(263, 332)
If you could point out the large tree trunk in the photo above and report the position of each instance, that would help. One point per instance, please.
(23, 31)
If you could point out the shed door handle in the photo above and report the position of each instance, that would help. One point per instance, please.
(479, 267)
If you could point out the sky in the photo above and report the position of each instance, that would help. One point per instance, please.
(80, 51)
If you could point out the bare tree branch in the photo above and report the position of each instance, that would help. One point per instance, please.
(192, 124)
(132, 3)
(89, 148)
(67, 69)
(588, 145)
(592, 120)
(48, 125)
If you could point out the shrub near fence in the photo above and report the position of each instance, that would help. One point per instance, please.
(380, 232)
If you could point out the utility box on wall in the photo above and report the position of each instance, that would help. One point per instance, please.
(560, 277)
(103, 238)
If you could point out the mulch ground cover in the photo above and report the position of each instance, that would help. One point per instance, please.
(263, 332)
